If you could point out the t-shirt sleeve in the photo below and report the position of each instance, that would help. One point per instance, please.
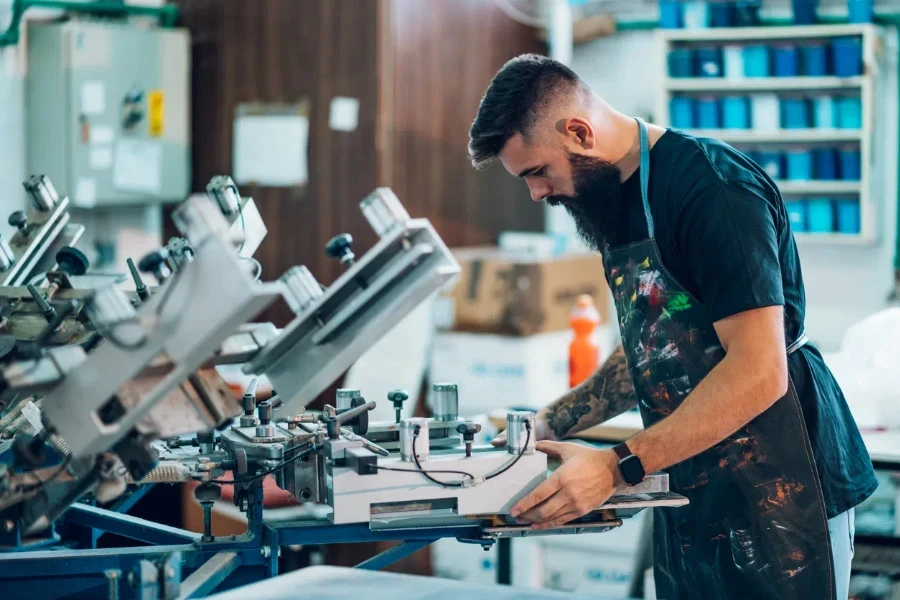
(728, 237)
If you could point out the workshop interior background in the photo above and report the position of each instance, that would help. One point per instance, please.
(309, 105)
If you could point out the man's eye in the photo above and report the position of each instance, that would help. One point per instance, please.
(540, 172)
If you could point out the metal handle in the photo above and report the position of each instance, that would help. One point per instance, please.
(353, 412)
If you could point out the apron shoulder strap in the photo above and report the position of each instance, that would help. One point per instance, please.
(645, 173)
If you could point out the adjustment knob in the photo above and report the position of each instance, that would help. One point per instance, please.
(339, 247)
(264, 410)
(18, 220)
(468, 430)
(155, 263)
(72, 261)
(398, 397)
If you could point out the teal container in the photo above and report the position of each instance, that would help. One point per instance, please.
(820, 215)
(847, 210)
(736, 112)
(849, 112)
(796, 210)
(756, 61)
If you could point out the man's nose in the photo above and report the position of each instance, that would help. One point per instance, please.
(538, 191)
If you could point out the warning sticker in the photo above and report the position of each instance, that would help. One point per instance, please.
(157, 112)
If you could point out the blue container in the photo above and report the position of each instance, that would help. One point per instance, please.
(847, 56)
(771, 163)
(860, 11)
(736, 112)
(851, 164)
(681, 113)
(799, 165)
(796, 210)
(815, 60)
(794, 113)
(756, 61)
(721, 14)
(707, 116)
(825, 164)
(709, 62)
(671, 14)
(785, 61)
(746, 13)
(681, 63)
(849, 113)
(696, 14)
(847, 215)
(825, 112)
(819, 215)
(805, 11)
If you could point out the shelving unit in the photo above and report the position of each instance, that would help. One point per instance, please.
(750, 139)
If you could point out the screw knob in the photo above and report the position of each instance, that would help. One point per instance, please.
(339, 247)
(18, 219)
(155, 263)
(468, 430)
(72, 261)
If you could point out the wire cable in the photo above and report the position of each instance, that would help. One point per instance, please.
(42, 482)
(312, 448)
(518, 456)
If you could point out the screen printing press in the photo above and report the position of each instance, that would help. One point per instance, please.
(108, 392)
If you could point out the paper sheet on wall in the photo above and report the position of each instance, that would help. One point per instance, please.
(102, 134)
(93, 98)
(85, 192)
(344, 114)
(271, 149)
(138, 166)
(100, 158)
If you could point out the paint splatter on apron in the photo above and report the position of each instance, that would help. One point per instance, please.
(755, 526)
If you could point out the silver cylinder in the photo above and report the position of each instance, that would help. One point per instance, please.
(383, 211)
(445, 401)
(109, 305)
(303, 288)
(422, 440)
(43, 194)
(517, 432)
(345, 397)
(222, 189)
(7, 258)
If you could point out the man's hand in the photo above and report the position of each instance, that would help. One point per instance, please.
(542, 431)
(586, 478)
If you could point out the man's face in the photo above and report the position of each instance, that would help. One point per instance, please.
(588, 187)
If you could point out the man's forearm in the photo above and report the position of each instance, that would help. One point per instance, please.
(732, 395)
(607, 393)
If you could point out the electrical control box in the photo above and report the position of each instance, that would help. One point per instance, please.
(108, 111)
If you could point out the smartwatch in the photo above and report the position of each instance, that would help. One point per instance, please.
(629, 465)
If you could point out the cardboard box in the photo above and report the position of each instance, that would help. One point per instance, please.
(497, 372)
(512, 293)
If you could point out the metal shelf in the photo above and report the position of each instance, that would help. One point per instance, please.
(785, 136)
(819, 187)
(791, 32)
(761, 84)
(847, 239)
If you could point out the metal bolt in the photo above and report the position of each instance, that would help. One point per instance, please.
(266, 552)
(112, 578)
(207, 522)
(305, 494)
(202, 459)
(8, 526)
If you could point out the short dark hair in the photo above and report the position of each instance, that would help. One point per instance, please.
(512, 102)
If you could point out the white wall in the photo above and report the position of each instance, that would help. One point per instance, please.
(843, 283)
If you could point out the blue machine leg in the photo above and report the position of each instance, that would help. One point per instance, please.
(128, 526)
(389, 557)
(213, 572)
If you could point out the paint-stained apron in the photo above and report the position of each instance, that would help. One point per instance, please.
(755, 526)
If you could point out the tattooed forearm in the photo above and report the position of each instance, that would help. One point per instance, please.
(607, 393)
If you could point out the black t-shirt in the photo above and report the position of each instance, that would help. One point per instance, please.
(723, 232)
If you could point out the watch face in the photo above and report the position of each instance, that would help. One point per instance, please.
(632, 470)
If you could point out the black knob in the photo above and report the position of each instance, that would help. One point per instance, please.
(207, 492)
(265, 413)
(155, 263)
(339, 247)
(72, 261)
(18, 219)
(139, 286)
(468, 430)
(398, 397)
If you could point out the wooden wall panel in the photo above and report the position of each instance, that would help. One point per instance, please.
(444, 54)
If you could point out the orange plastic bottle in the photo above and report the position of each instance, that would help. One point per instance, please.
(584, 352)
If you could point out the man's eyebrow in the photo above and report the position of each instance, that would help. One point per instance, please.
(529, 171)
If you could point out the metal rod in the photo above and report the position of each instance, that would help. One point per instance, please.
(504, 561)
(210, 575)
(128, 526)
(392, 555)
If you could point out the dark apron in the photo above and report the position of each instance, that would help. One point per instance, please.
(755, 526)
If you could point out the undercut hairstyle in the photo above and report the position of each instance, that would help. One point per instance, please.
(514, 101)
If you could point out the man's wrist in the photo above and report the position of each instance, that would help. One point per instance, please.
(611, 462)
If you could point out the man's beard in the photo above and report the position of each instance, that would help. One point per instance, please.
(596, 204)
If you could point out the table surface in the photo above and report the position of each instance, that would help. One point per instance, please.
(342, 583)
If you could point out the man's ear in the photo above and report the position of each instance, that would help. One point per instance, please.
(580, 132)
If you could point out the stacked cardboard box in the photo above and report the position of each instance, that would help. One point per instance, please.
(505, 324)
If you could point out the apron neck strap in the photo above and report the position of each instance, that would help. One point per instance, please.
(645, 173)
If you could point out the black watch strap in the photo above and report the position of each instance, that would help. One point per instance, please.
(622, 451)
(629, 465)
